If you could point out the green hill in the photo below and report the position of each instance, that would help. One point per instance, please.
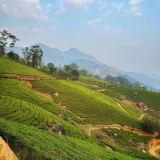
(64, 127)
(151, 99)
(12, 67)
(93, 107)
(39, 145)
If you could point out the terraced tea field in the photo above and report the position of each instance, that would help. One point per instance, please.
(52, 146)
(151, 99)
(93, 107)
(18, 90)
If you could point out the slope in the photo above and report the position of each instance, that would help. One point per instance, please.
(93, 107)
(39, 145)
(12, 67)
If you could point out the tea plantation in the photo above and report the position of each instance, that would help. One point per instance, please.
(151, 99)
(40, 129)
(93, 107)
(39, 145)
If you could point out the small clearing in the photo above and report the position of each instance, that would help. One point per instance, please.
(46, 96)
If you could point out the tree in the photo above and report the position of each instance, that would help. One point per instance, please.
(13, 56)
(52, 68)
(83, 72)
(4, 37)
(36, 56)
(27, 55)
(74, 66)
(75, 74)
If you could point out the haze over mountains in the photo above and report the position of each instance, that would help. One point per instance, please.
(91, 64)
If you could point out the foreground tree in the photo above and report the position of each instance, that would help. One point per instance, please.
(5, 36)
(37, 55)
(33, 56)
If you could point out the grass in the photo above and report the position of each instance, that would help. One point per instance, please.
(12, 67)
(151, 99)
(42, 145)
(96, 108)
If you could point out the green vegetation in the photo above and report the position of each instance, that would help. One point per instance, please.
(5, 36)
(44, 129)
(123, 81)
(18, 90)
(39, 144)
(126, 138)
(151, 99)
(114, 141)
(134, 111)
(93, 107)
(9, 66)
(32, 115)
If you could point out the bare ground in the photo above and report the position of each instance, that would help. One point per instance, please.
(5, 152)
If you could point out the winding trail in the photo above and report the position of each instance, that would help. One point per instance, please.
(155, 151)
(154, 147)
(90, 128)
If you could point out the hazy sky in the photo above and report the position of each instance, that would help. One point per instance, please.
(121, 33)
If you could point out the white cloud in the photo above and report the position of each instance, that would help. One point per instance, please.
(135, 2)
(102, 5)
(65, 5)
(94, 21)
(134, 11)
(22, 9)
(117, 6)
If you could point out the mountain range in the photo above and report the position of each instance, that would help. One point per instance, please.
(91, 64)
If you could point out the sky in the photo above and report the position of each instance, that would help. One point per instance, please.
(120, 33)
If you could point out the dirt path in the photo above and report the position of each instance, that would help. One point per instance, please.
(121, 107)
(155, 151)
(46, 96)
(89, 128)
(5, 151)
(141, 117)
(154, 147)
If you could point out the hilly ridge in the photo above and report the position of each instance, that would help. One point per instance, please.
(91, 64)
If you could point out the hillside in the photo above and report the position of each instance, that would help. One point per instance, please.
(11, 67)
(91, 64)
(87, 119)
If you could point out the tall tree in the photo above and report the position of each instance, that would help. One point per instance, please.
(4, 37)
(37, 55)
(27, 55)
